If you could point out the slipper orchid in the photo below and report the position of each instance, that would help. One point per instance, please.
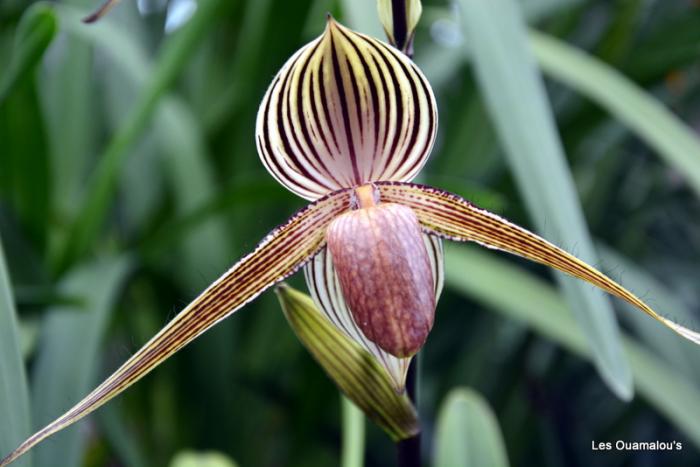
(347, 123)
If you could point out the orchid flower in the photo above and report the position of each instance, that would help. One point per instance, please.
(347, 123)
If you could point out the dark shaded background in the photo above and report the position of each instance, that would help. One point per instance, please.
(192, 197)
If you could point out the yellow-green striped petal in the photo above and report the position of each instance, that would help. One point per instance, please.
(345, 110)
(399, 19)
(323, 284)
(452, 217)
(354, 370)
(280, 254)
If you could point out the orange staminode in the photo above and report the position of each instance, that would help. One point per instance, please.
(366, 196)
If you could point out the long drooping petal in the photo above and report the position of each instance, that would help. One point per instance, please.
(280, 254)
(325, 290)
(345, 110)
(452, 217)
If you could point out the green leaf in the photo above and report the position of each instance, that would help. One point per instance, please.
(35, 32)
(14, 396)
(467, 433)
(362, 17)
(484, 277)
(193, 184)
(24, 165)
(172, 58)
(183, 161)
(109, 38)
(179, 136)
(290, 245)
(244, 69)
(201, 459)
(672, 45)
(643, 114)
(242, 190)
(647, 117)
(536, 10)
(25, 182)
(353, 453)
(679, 353)
(515, 97)
(354, 370)
(67, 361)
(207, 247)
(123, 441)
(69, 87)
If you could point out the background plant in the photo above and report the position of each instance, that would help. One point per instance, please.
(128, 181)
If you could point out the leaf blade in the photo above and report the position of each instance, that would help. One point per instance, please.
(353, 451)
(280, 254)
(24, 165)
(467, 432)
(14, 394)
(530, 300)
(515, 96)
(35, 33)
(631, 105)
(70, 342)
(104, 180)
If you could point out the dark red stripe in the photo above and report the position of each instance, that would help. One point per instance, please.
(374, 95)
(344, 109)
(398, 100)
(324, 102)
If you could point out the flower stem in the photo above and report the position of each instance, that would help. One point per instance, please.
(408, 450)
(353, 450)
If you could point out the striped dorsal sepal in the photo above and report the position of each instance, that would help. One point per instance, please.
(345, 110)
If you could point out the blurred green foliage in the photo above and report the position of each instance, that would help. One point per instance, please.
(129, 181)
(467, 433)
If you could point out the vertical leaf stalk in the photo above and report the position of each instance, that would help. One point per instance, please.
(408, 450)
(353, 452)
